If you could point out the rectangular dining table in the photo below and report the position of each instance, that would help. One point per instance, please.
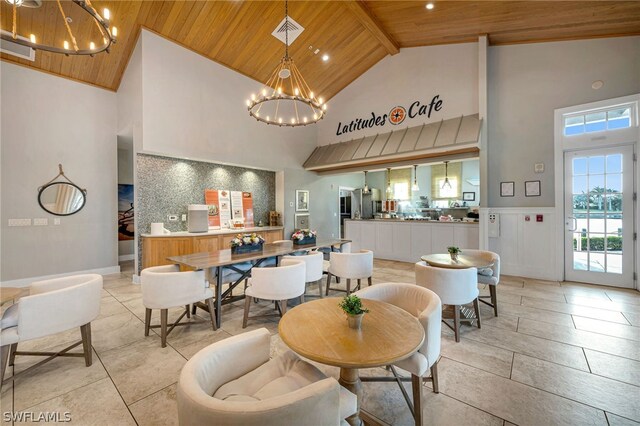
(215, 261)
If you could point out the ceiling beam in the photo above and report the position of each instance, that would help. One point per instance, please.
(371, 23)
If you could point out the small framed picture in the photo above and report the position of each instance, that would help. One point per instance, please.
(468, 196)
(302, 200)
(507, 189)
(532, 188)
(302, 221)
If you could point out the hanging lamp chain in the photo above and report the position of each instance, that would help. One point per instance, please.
(286, 29)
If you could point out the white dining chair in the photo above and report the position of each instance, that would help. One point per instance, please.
(488, 276)
(350, 266)
(53, 306)
(425, 305)
(279, 284)
(233, 382)
(165, 287)
(313, 262)
(455, 287)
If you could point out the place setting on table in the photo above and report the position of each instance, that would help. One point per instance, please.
(247, 251)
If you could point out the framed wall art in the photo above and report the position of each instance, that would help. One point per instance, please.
(532, 188)
(507, 189)
(302, 200)
(468, 196)
(302, 221)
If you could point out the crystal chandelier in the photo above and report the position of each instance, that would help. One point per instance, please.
(286, 99)
(70, 46)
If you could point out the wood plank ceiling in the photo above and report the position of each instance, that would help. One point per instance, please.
(356, 34)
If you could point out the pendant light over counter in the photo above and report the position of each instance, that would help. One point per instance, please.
(389, 191)
(446, 183)
(415, 186)
(366, 189)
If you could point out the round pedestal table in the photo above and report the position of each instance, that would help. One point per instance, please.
(463, 262)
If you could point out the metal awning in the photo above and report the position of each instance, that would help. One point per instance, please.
(440, 139)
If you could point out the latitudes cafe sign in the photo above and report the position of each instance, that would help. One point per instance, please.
(395, 116)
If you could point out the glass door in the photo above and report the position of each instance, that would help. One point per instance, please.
(599, 216)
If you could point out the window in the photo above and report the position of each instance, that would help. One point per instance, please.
(400, 184)
(401, 191)
(454, 173)
(602, 120)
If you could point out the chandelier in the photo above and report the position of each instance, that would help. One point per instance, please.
(286, 99)
(70, 46)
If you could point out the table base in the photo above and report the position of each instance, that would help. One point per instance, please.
(350, 379)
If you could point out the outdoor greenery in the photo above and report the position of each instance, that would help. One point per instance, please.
(352, 305)
(597, 244)
(599, 199)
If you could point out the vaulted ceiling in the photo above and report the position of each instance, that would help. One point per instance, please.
(356, 34)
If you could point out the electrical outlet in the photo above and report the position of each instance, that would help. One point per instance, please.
(19, 222)
(172, 218)
(56, 221)
(184, 217)
(40, 221)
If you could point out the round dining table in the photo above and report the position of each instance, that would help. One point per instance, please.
(463, 261)
(318, 330)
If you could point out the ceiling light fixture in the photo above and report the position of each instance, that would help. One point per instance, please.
(389, 180)
(366, 189)
(101, 21)
(325, 57)
(415, 186)
(429, 6)
(286, 94)
(446, 183)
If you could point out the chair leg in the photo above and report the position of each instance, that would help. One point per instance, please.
(359, 282)
(320, 287)
(476, 307)
(12, 354)
(85, 330)
(348, 286)
(193, 309)
(186, 307)
(283, 307)
(164, 313)
(302, 298)
(328, 283)
(212, 312)
(147, 321)
(247, 304)
(493, 291)
(434, 377)
(456, 321)
(370, 281)
(416, 384)
(4, 356)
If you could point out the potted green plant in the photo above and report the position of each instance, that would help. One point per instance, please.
(454, 252)
(352, 306)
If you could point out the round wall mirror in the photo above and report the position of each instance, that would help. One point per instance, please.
(61, 198)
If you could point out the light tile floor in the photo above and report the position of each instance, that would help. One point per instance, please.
(559, 353)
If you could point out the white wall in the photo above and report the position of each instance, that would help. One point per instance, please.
(527, 82)
(195, 108)
(418, 73)
(48, 120)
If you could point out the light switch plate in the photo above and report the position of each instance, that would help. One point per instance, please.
(172, 218)
(19, 222)
(40, 221)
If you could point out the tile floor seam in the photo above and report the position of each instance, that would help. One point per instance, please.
(116, 388)
(567, 398)
(476, 367)
(582, 316)
(473, 406)
(587, 361)
(627, 319)
(513, 358)
(62, 394)
(153, 393)
(607, 418)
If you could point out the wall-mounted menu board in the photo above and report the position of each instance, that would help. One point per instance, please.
(226, 205)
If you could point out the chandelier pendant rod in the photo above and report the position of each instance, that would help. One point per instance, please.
(15, 19)
(88, 2)
(66, 24)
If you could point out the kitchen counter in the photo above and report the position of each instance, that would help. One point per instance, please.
(414, 221)
(256, 229)
(409, 240)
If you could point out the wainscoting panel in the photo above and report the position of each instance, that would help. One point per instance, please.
(527, 248)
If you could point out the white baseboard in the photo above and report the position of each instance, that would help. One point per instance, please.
(125, 257)
(25, 282)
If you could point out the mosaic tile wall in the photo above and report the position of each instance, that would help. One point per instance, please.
(167, 185)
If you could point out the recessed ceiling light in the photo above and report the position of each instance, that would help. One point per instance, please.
(325, 57)
(597, 84)
(430, 6)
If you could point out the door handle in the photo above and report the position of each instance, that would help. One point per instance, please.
(575, 224)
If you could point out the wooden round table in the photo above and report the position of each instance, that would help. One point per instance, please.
(463, 262)
(318, 330)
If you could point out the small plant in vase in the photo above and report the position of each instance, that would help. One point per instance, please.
(454, 252)
(352, 306)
